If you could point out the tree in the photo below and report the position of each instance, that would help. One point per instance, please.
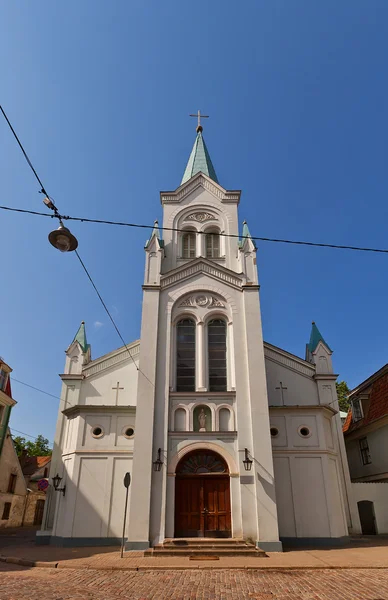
(343, 395)
(38, 448)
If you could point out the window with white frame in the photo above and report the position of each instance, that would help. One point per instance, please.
(188, 245)
(217, 355)
(185, 364)
(212, 244)
(364, 450)
(357, 413)
(3, 379)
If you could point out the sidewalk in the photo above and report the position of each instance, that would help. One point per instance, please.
(362, 553)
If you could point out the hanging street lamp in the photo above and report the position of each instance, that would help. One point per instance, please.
(63, 239)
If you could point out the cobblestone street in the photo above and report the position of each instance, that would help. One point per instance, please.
(19, 583)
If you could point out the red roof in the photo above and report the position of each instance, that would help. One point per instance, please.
(31, 464)
(378, 406)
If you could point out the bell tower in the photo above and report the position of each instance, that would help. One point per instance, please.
(202, 400)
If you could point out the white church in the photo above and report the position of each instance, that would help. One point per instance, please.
(224, 435)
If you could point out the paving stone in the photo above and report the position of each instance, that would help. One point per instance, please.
(23, 583)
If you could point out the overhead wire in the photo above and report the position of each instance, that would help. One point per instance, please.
(34, 437)
(58, 216)
(35, 388)
(179, 230)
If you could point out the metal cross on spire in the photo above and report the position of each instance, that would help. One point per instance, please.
(199, 116)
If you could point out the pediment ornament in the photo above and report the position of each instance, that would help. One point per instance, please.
(201, 217)
(202, 300)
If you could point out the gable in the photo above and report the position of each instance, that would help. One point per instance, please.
(195, 267)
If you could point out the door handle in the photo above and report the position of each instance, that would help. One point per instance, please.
(205, 511)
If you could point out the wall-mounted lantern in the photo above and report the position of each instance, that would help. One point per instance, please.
(247, 462)
(56, 481)
(158, 462)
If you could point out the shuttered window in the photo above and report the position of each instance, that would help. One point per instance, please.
(217, 355)
(185, 372)
(188, 245)
(212, 245)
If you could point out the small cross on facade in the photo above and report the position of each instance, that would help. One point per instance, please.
(199, 116)
(117, 388)
(281, 388)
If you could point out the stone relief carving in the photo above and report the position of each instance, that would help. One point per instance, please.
(202, 300)
(201, 217)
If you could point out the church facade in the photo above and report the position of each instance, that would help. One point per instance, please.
(224, 434)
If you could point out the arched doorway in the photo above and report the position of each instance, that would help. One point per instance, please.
(202, 496)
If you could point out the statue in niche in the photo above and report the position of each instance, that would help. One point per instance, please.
(202, 420)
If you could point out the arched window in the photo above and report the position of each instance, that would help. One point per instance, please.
(212, 244)
(185, 370)
(188, 245)
(217, 355)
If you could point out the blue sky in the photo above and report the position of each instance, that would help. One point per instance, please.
(100, 94)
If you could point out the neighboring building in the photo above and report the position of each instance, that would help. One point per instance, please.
(366, 429)
(343, 416)
(12, 486)
(6, 401)
(366, 440)
(34, 469)
(13, 489)
(224, 435)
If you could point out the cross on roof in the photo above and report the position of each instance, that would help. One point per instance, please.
(198, 115)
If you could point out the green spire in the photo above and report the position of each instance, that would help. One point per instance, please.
(155, 233)
(246, 234)
(199, 161)
(315, 338)
(80, 337)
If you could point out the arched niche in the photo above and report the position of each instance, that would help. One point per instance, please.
(202, 418)
(224, 419)
(180, 420)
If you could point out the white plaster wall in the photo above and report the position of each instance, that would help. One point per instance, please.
(101, 387)
(301, 390)
(309, 492)
(378, 494)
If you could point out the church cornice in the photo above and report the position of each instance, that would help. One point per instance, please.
(73, 411)
(113, 358)
(200, 180)
(202, 265)
(301, 407)
(288, 360)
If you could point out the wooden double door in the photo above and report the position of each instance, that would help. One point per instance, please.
(202, 506)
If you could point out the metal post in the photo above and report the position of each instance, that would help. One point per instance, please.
(127, 481)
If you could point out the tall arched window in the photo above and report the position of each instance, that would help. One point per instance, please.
(188, 245)
(185, 361)
(217, 355)
(212, 244)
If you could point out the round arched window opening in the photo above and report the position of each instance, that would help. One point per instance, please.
(274, 432)
(304, 431)
(97, 431)
(129, 432)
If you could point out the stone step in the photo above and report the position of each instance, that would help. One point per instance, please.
(204, 541)
(248, 551)
(193, 546)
